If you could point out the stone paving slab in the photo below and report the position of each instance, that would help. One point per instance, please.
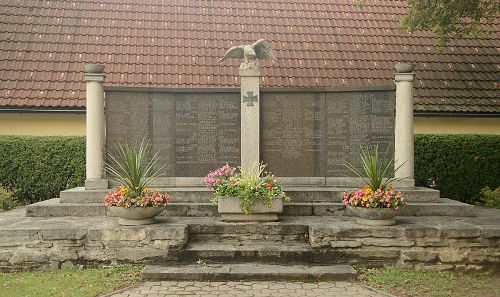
(251, 288)
(249, 271)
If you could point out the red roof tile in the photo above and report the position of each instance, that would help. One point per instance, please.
(319, 43)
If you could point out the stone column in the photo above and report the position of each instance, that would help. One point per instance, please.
(250, 117)
(403, 149)
(94, 76)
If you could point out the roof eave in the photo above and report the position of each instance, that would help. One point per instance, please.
(455, 114)
(32, 109)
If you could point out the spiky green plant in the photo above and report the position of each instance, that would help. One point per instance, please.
(131, 168)
(376, 173)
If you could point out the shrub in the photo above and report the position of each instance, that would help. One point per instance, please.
(38, 168)
(491, 198)
(458, 165)
(6, 200)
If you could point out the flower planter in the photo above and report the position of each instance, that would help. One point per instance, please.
(134, 216)
(230, 210)
(372, 216)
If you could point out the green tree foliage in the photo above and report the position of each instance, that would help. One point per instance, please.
(451, 19)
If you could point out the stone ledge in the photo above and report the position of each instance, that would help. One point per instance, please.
(201, 195)
(249, 271)
(55, 208)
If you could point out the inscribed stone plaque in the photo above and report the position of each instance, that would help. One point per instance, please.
(207, 129)
(292, 133)
(193, 132)
(355, 119)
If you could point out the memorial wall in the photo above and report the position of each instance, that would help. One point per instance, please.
(302, 133)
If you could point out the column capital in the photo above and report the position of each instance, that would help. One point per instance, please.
(410, 76)
(98, 77)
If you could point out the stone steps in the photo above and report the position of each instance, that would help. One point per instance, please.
(54, 208)
(297, 194)
(211, 230)
(249, 271)
(263, 251)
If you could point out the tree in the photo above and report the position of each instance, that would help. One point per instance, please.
(451, 19)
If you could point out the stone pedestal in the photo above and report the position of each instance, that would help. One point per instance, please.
(250, 117)
(403, 149)
(94, 76)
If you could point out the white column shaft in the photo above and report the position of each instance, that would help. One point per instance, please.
(95, 137)
(403, 150)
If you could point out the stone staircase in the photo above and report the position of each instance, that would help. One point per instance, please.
(194, 202)
(295, 248)
(249, 251)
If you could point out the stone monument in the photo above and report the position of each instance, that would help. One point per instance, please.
(250, 92)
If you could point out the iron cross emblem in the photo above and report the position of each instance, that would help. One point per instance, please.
(250, 98)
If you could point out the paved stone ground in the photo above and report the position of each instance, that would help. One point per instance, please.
(250, 288)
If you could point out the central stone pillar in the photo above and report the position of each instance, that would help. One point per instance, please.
(250, 117)
(94, 76)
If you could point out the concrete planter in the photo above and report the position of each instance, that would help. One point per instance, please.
(372, 216)
(135, 215)
(230, 210)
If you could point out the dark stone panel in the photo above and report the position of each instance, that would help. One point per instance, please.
(313, 134)
(292, 133)
(192, 132)
(207, 132)
(355, 119)
(162, 130)
(127, 118)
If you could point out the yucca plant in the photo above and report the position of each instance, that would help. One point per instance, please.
(131, 168)
(377, 173)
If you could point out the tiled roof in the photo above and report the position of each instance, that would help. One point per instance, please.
(176, 43)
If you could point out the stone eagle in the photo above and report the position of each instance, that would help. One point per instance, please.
(261, 49)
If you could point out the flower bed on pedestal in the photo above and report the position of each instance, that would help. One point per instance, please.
(133, 203)
(246, 195)
(377, 203)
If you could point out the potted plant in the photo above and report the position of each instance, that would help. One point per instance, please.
(246, 195)
(133, 202)
(378, 202)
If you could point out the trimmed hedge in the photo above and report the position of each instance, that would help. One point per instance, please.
(458, 165)
(38, 168)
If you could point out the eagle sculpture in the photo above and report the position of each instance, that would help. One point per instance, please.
(261, 49)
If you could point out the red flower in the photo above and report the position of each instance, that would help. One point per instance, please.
(270, 185)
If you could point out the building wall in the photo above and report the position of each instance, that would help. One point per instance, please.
(42, 123)
(457, 125)
(74, 124)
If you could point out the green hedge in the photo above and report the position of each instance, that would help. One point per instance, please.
(458, 165)
(37, 168)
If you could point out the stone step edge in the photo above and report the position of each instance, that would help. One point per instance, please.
(307, 194)
(57, 201)
(264, 246)
(53, 208)
(248, 271)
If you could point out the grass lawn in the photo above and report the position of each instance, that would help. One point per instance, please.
(69, 282)
(415, 282)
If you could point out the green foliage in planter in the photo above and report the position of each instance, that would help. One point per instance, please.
(36, 168)
(458, 165)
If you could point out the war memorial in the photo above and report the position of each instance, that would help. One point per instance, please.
(304, 135)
